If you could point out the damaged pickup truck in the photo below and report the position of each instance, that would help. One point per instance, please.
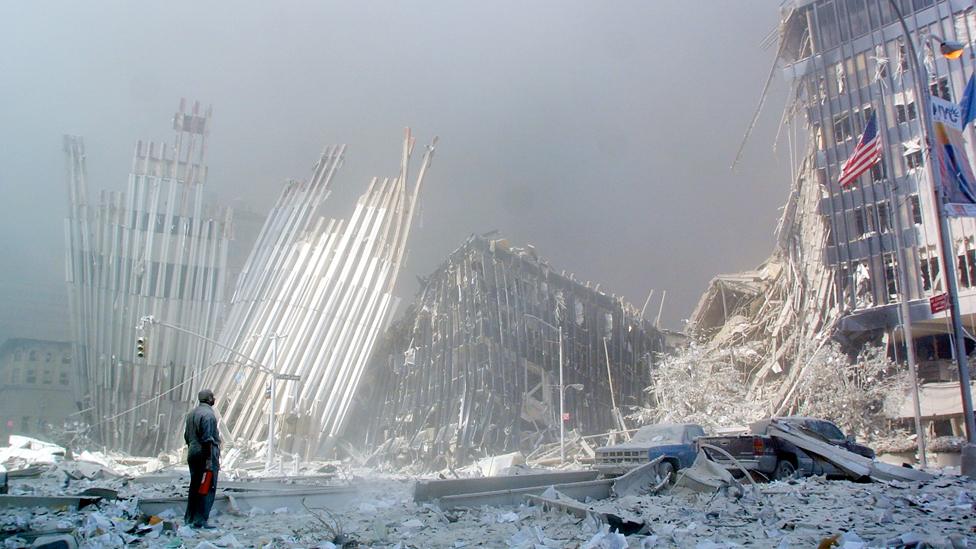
(777, 459)
(676, 442)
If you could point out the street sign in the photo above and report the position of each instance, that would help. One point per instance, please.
(288, 377)
(939, 303)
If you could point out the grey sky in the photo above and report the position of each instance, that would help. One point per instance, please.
(600, 132)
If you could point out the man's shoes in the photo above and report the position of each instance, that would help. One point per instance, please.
(205, 526)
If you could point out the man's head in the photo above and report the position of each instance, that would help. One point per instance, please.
(206, 396)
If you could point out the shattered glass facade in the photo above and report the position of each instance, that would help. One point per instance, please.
(845, 59)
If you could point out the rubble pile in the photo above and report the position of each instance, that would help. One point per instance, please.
(764, 342)
(699, 385)
(710, 387)
(801, 513)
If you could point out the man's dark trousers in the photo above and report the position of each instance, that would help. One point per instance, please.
(198, 505)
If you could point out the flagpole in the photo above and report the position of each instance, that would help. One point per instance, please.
(903, 308)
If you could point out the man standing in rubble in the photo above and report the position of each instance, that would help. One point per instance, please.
(203, 440)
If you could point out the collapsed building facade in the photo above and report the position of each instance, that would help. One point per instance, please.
(154, 249)
(834, 273)
(475, 366)
(307, 308)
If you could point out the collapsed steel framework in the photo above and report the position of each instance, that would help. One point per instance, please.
(155, 248)
(309, 303)
(472, 369)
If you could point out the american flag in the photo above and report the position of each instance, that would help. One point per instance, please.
(867, 153)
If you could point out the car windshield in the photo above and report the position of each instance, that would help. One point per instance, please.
(660, 434)
(826, 429)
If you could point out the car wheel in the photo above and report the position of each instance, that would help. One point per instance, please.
(666, 471)
(784, 470)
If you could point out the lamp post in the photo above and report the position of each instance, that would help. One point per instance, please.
(150, 321)
(904, 310)
(274, 396)
(948, 266)
(562, 399)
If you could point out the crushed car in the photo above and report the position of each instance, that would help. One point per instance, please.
(675, 442)
(771, 457)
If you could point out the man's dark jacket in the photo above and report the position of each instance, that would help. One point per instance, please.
(201, 429)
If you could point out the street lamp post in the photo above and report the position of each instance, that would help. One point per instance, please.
(274, 397)
(948, 266)
(562, 400)
(251, 363)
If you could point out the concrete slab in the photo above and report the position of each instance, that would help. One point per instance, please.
(268, 501)
(50, 502)
(593, 489)
(427, 490)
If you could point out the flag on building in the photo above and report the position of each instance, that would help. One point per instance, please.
(968, 103)
(867, 153)
(952, 162)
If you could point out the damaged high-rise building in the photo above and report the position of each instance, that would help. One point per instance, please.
(835, 271)
(155, 248)
(309, 303)
(476, 365)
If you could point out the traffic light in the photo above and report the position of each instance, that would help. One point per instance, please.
(141, 347)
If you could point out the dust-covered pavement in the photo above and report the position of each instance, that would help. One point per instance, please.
(382, 513)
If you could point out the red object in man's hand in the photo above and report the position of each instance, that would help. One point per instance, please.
(205, 483)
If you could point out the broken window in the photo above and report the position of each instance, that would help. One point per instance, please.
(861, 63)
(31, 376)
(14, 375)
(891, 278)
(819, 138)
(916, 209)
(929, 269)
(902, 58)
(966, 265)
(884, 217)
(842, 128)
(844, 282)
(63, 378)
(827, 23)
(48, 377)
(864, 221)
(940, 88)
(877, 172)
(905, 112)
(914, 160)
(858, 13)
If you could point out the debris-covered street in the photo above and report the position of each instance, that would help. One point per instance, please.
(140, 505)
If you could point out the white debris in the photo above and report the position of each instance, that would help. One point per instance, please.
(604, 539)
